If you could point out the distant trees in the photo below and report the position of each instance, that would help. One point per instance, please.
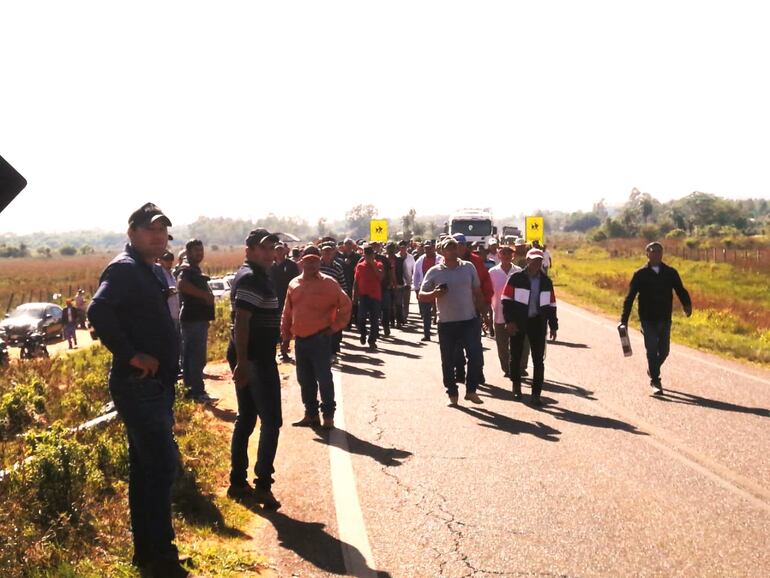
(357, 220)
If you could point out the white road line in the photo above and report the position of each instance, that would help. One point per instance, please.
(575, 311)
(356, 550)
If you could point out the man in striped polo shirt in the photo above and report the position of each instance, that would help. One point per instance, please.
(256, 321)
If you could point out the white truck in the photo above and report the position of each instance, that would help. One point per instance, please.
(475, 224)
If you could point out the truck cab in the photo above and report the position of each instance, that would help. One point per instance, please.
(475, 224)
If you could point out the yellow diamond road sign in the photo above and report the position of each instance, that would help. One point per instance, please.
(534, 229)
(378, 230)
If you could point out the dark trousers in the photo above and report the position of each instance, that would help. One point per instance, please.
(146, 408)
(369, 308)
(426, 314)
(260, 398)
(657, 342)
(398, 304)
(534, 331)
(388, 320)
(194, 343)
(463, 335)
(314, 373)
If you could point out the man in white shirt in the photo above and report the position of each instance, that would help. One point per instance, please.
(499, 275)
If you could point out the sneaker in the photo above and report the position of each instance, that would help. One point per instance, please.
(240, 492)
(328, 423)
(657, 387)
(474, 397)
(308, 421)
(453, 399)
(362, 340)
(266, 498)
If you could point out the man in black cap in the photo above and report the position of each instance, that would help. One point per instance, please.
(196, 314)
(256, 321)
(655, 283)
(129, 313)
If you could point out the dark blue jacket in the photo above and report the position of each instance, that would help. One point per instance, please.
(129, 313)
(655, 293)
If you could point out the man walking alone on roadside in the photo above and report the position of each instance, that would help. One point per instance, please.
(454, 285)
(654, 283)
(130, 315)
(529, 305)
(316, 309)
(251, 354)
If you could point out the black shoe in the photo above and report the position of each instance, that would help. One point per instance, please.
(524, 373)
(506, 375)
(362, 340)
(657, 386)
(386, 331)
(516, 388)
(266, 498)
(535, 401)
(240, 492)
(426, 338)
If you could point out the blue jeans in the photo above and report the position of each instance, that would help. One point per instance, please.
(146, 408)
(314, 373)
(369, 308)
(260, 398)
(657, 342)
(194, 341)
(426, 313)
(467, 336)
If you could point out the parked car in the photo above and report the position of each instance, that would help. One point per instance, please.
(220, 288)
(28, 318)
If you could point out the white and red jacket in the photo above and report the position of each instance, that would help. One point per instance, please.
(516, 300)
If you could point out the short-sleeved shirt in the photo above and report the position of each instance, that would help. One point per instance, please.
(194, 308)
(368, 281)
(254, 291)
(457, 303)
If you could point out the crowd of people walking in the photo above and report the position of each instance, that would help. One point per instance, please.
(154, 316)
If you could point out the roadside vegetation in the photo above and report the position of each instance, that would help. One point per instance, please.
(65, 509)
(731, 304)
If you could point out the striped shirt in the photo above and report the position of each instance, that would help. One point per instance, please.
(254, 291)
(335, 271)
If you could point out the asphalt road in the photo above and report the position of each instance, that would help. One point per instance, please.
(604, 480)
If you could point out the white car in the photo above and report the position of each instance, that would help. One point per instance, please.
(220, 288)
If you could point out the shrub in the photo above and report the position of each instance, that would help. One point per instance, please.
(692, 243)
(676, 234)
(21, 406)
(650, 232)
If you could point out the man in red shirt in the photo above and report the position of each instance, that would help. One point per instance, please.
(367, 290)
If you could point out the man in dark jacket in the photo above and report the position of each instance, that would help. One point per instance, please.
(654, 283)
(130, 315)
(529, 304)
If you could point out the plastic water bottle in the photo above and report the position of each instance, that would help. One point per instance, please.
(624, 340)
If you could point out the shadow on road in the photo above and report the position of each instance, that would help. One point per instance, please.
(568, 388)
(674, 396)
(360, 358)
(577, 417)
(311, 542)
(570, 345)
(512, 426)
(399, 341)
(399, 353)
(353, 370)
(386, 456)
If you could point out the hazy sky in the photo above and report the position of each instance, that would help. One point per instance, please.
(307, 108)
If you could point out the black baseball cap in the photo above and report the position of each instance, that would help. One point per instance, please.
(146, 215)
(258, 236)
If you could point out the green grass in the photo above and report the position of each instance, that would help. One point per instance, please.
(66, 512)
(731, 314)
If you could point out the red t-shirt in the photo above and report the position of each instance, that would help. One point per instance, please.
(367, 280)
